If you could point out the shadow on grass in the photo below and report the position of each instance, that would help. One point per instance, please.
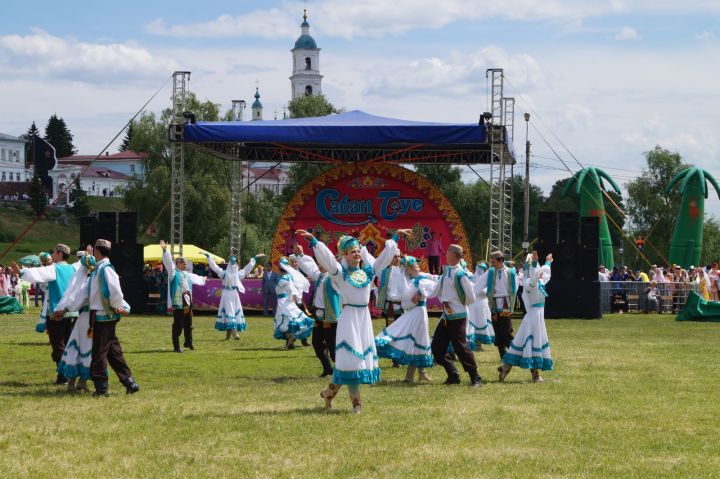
(150, 351)
(311, 411)
(29, 344)
(40, 393)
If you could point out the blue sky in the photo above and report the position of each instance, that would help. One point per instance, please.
(611, 78)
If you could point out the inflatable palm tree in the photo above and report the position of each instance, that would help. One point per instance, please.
(589, 187)
(686, 243)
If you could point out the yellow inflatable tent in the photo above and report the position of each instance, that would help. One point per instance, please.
(153, 254)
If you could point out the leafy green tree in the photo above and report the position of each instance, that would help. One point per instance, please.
(59, 136)
(125, 145)
(652, 211)
(38, 199)
(311, 105)
(32, 131)
(79, 198)
(711, 242)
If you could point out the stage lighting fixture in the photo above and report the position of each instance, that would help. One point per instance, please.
(190, 117)
(487, 116)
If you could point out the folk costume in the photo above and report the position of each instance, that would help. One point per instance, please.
(58, 277)
(389, 292)
(407, 340)
(104, 296)
(479, 329)
(502, 289)
(356, 359)
(77, 357)
(455, 291)
(230, 317)
(326, 311)
(530, 349)
(291, 322)
(41, 324)
(179, 299)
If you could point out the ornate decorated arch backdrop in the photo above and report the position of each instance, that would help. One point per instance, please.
(370, 200)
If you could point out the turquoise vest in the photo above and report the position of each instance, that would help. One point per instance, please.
(109, 314)
(175, 292)
(63, 273)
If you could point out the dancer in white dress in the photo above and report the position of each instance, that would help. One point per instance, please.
(230, 317)
(530, 349)
(291, 322)
(479, 328)
(75, 362)
(41, 325)
(356, 360)
(407, 339)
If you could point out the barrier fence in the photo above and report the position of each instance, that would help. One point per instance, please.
(633, 297)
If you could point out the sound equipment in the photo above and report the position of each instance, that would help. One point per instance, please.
(547, 227)
(135, 292)
(564, 264)
(127, 259)
(568, 227)
(107, 226)
(88, 231)
(127, 227)
(590, 231)
(572, 299)
(588, 263)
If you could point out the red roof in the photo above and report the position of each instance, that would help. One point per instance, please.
(120, 156)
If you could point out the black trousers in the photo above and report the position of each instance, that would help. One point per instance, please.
(182, 322)
(59, 334)
(453, 331)
(323, 342)
(106, 349)
(502, 324)
(434, 264)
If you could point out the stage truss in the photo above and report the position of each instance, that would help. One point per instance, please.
(496, 153)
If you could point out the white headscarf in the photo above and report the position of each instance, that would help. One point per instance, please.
(300, 281)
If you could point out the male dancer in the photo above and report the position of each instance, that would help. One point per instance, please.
(57, 276)
(180, 283)
(455, 290)
(106, 304)
(502, 286)
(326, 305)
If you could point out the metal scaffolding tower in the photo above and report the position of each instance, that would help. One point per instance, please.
(501, 166)
(238, 108)
(181, 79)
(236, 187)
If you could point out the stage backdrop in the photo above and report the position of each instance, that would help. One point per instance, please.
(368, 201)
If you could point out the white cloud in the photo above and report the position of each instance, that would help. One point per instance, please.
(626, 33)
(272, 23)
(705, 35)
(43, 55)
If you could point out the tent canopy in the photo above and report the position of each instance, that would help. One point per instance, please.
(153, 254)
(350, 136)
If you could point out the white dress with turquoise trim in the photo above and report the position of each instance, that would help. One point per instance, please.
(230, 316)
(41, 324)
(75, 362)
(479, 323)
(356, 359)
(407, 339)
(288, 317)
(531, 347)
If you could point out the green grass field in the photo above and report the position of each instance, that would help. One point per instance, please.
(631, 396)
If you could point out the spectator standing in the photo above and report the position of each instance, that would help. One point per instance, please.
(435, 250)
(269, 280)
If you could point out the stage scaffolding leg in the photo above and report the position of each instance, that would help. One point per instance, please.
(181, 79)
(235, 228)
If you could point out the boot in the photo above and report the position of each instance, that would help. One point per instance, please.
(452, 379)
(422, 376)
(356, 403)
(236, 336)
(101, 388)
(475, 379)
(409, 374)
(536, 378)
(328, 394)
(503, 371)
(228, 334)
(82, 386)
(176, 344)
(131, 387)
(71, 385)
(61, 380)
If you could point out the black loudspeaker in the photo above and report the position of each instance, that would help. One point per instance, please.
(127, 259)
(568, 227)
(565, 263)
(107, 226)
(135, 292)
(572, 299)
(588, 263)
(88, 231)
(590, 231)
(127, 227)
(547, 227)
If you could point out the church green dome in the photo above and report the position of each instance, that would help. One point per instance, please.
(305, 41)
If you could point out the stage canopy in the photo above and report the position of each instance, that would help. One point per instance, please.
(347, 137)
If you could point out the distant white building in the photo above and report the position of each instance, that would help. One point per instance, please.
(129, 163)
(12, 159)
(306, 78)
(259, 178)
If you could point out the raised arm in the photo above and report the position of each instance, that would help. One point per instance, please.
(308, 266)
(42, 274)
(213, 266)
(168, 261)
(324, 256)
(389, 251)
(249, 267)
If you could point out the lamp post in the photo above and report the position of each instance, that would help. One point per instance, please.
(526, 213)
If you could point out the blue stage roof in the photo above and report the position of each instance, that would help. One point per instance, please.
(351, 128)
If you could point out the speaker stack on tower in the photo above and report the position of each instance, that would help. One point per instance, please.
(573, 291)
(127, 254)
